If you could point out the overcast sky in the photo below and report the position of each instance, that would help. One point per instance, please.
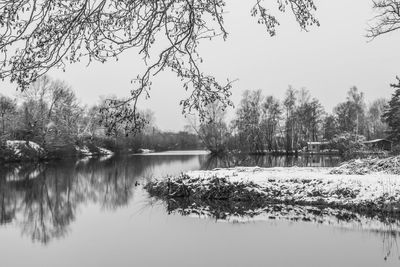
(327, 60)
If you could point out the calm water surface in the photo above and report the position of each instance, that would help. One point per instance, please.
(95, 213)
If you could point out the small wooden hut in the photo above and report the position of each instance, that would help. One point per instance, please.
(379, 144)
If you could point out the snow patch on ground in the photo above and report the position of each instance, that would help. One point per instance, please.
(85, 151)
(390, 165)
(16, 145)
(145, 150)
(376, 192)
(310, 183)
(104, 151)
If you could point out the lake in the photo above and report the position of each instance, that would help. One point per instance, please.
(94, 212)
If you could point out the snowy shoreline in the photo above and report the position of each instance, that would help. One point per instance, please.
(21, 151)
(376, 193)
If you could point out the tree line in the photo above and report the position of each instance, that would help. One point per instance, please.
(265, 123)
(49, 114)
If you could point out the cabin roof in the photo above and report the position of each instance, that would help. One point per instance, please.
(377, 141)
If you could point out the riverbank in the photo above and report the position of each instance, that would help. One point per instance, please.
(254, 188)
(25, 151)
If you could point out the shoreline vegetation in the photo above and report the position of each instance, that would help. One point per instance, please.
(28, 151)
(248, 190)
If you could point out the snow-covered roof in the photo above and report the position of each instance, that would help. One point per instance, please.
(376, 141)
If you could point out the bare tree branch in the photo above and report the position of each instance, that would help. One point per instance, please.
(38, 35)
(387, 19)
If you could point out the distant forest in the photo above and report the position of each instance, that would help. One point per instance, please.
(49, 113)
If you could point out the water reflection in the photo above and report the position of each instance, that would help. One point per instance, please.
(243, 212)
(42, 201)
(387, 228)
(43, 198)
(232, 160)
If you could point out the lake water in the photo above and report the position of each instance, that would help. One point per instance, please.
(94, 212)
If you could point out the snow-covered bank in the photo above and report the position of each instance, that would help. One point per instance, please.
(91, 151)
(17, 146)
(145, 151)
(19, 150)
(373, 193)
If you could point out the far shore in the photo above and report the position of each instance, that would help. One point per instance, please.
(16, 151)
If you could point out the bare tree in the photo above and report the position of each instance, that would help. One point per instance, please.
(50, 107)
(36, 36)
(7, 107)
(309, 117)
(376, 127)
(387, 19)
(290, 103)
(351, 113)
(213, 132)
(272, 113)
(248, 121)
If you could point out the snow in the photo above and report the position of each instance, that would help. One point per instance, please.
(18, 146)
(263, 176)
(364, 202)
(389, 165)
(310, 185)
(145, 150)
(85, 151)
(104, 151)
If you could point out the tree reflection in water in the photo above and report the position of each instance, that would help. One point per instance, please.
(8, 204)
(388, 228)
(231, 160)
(43, 198)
